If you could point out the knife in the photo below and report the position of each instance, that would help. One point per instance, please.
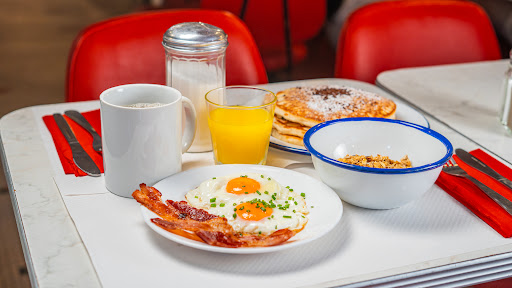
(80, 120)
(82, 160)
(482, 167)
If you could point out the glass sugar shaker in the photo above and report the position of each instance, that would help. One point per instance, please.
(195, 64)
(506, 107)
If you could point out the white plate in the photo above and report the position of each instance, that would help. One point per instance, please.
(403, 112)
(325, 214)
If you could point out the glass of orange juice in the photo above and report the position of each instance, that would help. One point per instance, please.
(240, 121)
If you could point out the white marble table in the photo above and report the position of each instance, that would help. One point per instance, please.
(465, 97)
(445, 243)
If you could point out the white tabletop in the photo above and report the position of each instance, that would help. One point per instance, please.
(451, 246)
(465, 97)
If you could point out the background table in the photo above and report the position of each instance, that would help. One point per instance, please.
(451, 246)
(464, 97)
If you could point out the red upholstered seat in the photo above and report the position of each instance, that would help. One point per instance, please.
(265, 19)
(128, 49)
(410, 33)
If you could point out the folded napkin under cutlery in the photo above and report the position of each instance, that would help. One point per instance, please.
(464, 191)
(80, 119)
(82, 135)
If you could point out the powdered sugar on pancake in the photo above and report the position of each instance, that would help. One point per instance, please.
(339, 100)
(309, 106)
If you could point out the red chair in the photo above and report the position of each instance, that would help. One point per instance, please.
(266, 20)
(128, 49)
(410, 33)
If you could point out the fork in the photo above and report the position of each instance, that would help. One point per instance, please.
(452, 168)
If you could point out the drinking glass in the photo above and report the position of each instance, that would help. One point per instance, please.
(506, 104)
(240, 121)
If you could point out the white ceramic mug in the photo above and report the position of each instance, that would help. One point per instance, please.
(143, 145)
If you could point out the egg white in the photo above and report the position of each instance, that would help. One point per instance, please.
(211, 195)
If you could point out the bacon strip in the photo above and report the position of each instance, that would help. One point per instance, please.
(217, 238)
(197, 224)
(191, 212)
(151, 198)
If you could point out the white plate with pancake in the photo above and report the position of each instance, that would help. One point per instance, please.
(324, 205)
(402, 112)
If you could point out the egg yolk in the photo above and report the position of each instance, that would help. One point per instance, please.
(242, 185)
(253, 211)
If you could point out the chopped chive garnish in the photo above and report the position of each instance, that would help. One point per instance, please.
(234, 209)
(312, 206)
(302, 216)
(295, 202)
(248, 211)
(290, 198)
(266, 192)
(262, 176)
(269, 178)
(214, 178)
(287, 186)
(291, 190)
(276, 227)
(234, 215)
(303, 194)
(222, 216)
(286, 216)
(258, 192)
(196, 197)
(213, 200)
(213, 205)
(222, 204)
(243, 185)
(259, 232)
(234, 204)
(293, 211)
(272, 216)
(241, 208)
(246, 192)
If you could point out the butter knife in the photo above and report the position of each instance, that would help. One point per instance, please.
(82, 160)
(80, 120)
(482, 167)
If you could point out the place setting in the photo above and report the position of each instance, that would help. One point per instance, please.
(267, 169)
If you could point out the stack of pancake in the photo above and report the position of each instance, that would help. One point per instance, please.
(300, 108)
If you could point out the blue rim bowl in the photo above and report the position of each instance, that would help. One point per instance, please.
(429, 166)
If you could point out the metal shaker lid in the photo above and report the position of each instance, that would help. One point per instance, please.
(195, 36)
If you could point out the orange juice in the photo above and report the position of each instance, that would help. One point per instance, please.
(240, 136)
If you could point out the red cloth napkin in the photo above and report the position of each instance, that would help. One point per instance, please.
(84, 137)
(464, 191)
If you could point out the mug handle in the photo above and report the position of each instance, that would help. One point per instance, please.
(190, 124)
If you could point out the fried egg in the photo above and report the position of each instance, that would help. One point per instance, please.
(252, 203)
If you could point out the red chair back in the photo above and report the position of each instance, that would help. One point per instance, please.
(265, 19)
(128, 49)
(410, 33)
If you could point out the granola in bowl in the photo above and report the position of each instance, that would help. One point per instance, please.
(377, 161)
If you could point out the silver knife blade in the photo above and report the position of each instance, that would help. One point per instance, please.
(80, 120)
(82, 160)
(482, 167)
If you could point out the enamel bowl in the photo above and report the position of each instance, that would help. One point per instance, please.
(377, 188)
